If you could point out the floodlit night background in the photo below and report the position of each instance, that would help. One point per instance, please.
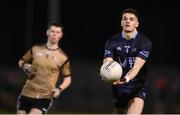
(88, 24)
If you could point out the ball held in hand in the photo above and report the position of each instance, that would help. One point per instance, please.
(111, 71)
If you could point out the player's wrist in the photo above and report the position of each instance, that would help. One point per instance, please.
(60, 89)
(22, 65)
(127, 79)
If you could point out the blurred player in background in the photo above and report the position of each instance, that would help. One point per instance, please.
(131, 49)
(43, 65)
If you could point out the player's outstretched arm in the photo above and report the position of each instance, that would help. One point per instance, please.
(138, 64)
(65, 84)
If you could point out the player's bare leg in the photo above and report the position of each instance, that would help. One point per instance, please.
(35, 111)
(135, 106)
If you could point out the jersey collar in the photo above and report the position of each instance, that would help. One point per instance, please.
(133, 36)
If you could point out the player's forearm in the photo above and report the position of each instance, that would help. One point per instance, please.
(66, 83)
(136, 68)
(132, 73)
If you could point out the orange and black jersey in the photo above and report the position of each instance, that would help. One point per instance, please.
(49, 64)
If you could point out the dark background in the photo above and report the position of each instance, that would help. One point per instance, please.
(88, 24)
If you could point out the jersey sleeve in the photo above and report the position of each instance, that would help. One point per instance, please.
(108, 50)
(66, 70)
(145, 48)
(28, 56)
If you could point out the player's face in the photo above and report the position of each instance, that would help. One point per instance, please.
(129, 22)
(54, 34)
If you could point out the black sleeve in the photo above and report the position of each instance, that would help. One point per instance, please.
(145, 47)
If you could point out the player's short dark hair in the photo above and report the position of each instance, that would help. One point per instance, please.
(57, 24)
(132, 11)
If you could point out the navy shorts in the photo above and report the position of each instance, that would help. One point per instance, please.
(122, 99)
(27, 103)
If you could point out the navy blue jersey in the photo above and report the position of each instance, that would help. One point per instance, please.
(125, 51)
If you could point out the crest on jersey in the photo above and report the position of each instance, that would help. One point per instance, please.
(119, 48)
